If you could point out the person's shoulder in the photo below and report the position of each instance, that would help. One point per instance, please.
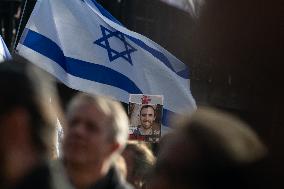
(116, 181)
(39, 177)
(124, 185)
(59, 179)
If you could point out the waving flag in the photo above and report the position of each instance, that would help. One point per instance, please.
(4, 52)
(86, 48)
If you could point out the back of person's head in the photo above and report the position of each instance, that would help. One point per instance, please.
(25, 86)
(209, 150)
(140, 161)
(27, 121)
(116, 117)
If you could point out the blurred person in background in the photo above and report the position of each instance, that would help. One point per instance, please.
(211, 150)
(27, 126)
(243, 42)
(95, 135)
(140, 161)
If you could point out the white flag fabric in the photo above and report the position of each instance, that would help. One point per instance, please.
(4, 52)
(190, 6)
(87, 49)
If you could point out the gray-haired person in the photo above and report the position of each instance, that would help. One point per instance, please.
(96, 133)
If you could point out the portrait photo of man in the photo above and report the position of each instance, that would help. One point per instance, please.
(145, 115)
(145, 120)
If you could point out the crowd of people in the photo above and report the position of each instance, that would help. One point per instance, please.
(207, 149)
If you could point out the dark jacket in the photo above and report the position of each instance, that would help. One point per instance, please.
(37, 178)
(49, 175)
(111, 181)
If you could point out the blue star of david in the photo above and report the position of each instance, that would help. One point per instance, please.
(113, 54)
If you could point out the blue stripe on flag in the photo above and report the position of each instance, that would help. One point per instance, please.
(154, 52)
(79, 68)
(184, 73)
(167, 115)
(106, 13)
(157, 54)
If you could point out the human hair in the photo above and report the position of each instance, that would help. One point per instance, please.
(142, 160)
(212, 149)
(117, 120)
(25, 86)
(147, 106)
(216, 130)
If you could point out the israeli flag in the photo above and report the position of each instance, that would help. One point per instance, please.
(4, 52)
(87, 49)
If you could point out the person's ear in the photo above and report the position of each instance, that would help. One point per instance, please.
(115, 146)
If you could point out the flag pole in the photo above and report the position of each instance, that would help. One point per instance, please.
(18, 30)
